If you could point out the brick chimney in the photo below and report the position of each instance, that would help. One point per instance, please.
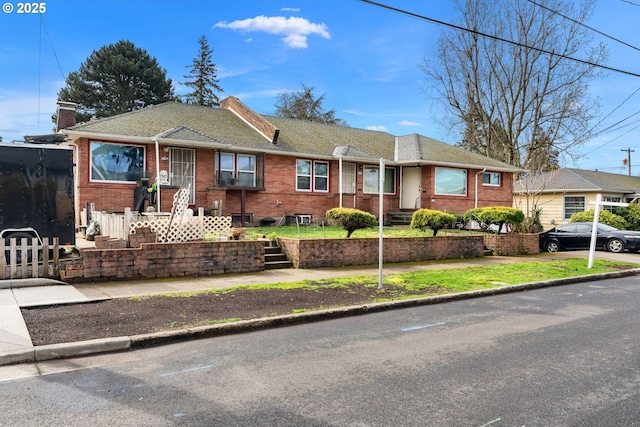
(66, 115)
(256, 121)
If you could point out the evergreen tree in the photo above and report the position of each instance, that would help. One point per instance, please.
(303, 105)
(116, 79)
(203, 78)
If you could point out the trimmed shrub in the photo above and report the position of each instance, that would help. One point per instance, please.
(350, 219)
(605, 217)
(433, 219)
(631, 214)
(496, 216)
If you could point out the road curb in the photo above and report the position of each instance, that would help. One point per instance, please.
(81, 348)
(12, 357)
(26, 283)
(105, 345)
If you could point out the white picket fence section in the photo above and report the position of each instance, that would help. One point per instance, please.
(28, 258)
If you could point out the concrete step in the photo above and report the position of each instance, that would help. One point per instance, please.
(274, 258)
(275, 265)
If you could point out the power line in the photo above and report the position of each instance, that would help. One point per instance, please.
(456, 27)
(583, 25)
(609, 142)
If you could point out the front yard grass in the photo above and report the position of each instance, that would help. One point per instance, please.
(449, 280)
(330, 232)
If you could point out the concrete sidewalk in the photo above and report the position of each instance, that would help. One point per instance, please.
(15, 341)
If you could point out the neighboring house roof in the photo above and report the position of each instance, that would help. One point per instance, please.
(578, 180)
(189, 125)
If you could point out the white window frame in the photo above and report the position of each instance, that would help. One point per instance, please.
(317, 177)
(439, 192)
(370, 169)
(494, 179)
(312, 176)
(565, 211)
(177, 169)
(246, 172)
(609, 198)
(235, 171)
(141, 172)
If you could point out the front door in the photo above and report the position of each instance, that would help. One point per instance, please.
(411, 188)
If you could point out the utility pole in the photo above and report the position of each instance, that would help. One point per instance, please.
(629, 151)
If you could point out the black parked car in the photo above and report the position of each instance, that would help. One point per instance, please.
(577, 235)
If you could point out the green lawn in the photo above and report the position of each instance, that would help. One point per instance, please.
(327, 232)
(452, 280)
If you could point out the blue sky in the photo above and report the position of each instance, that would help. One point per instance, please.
(363, 58)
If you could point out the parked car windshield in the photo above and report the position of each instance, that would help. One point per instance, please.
(604, 227)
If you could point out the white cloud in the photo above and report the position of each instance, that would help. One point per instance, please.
(290, 9)
(408, 123)
(295, 30)
(377, 128)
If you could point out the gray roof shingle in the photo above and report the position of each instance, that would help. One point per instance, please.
(212, 126)
(579, 180)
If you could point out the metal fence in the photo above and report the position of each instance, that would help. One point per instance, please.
(29, 258)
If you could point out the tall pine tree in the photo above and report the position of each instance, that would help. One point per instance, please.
(116, 79)
(203, 78)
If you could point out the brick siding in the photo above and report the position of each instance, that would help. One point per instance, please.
(279, 196)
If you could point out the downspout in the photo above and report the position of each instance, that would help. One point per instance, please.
(76, 192)
(478, 173)
(340, 178)
(155, 140)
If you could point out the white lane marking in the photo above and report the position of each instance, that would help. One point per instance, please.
(491, 422)
(415, 328)
(185, 371)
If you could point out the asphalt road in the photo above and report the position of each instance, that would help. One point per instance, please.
(562, 356)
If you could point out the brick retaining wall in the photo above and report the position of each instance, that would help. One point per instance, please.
(158, 260)
(512, 244)
(308, 253)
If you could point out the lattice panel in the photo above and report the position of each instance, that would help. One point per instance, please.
(181, 228)
(189, 229)
(175, 232)
(217, 225)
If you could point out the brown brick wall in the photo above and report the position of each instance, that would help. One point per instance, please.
(159, 260)
(487, 195)
(512, 244)
(280, 185)
(343, 252)
(257, 121)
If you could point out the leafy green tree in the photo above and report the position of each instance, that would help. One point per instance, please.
(303, 105)
(203, 78)
(605, 217)
(433, 219)
(351, 219)
(116, 79)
